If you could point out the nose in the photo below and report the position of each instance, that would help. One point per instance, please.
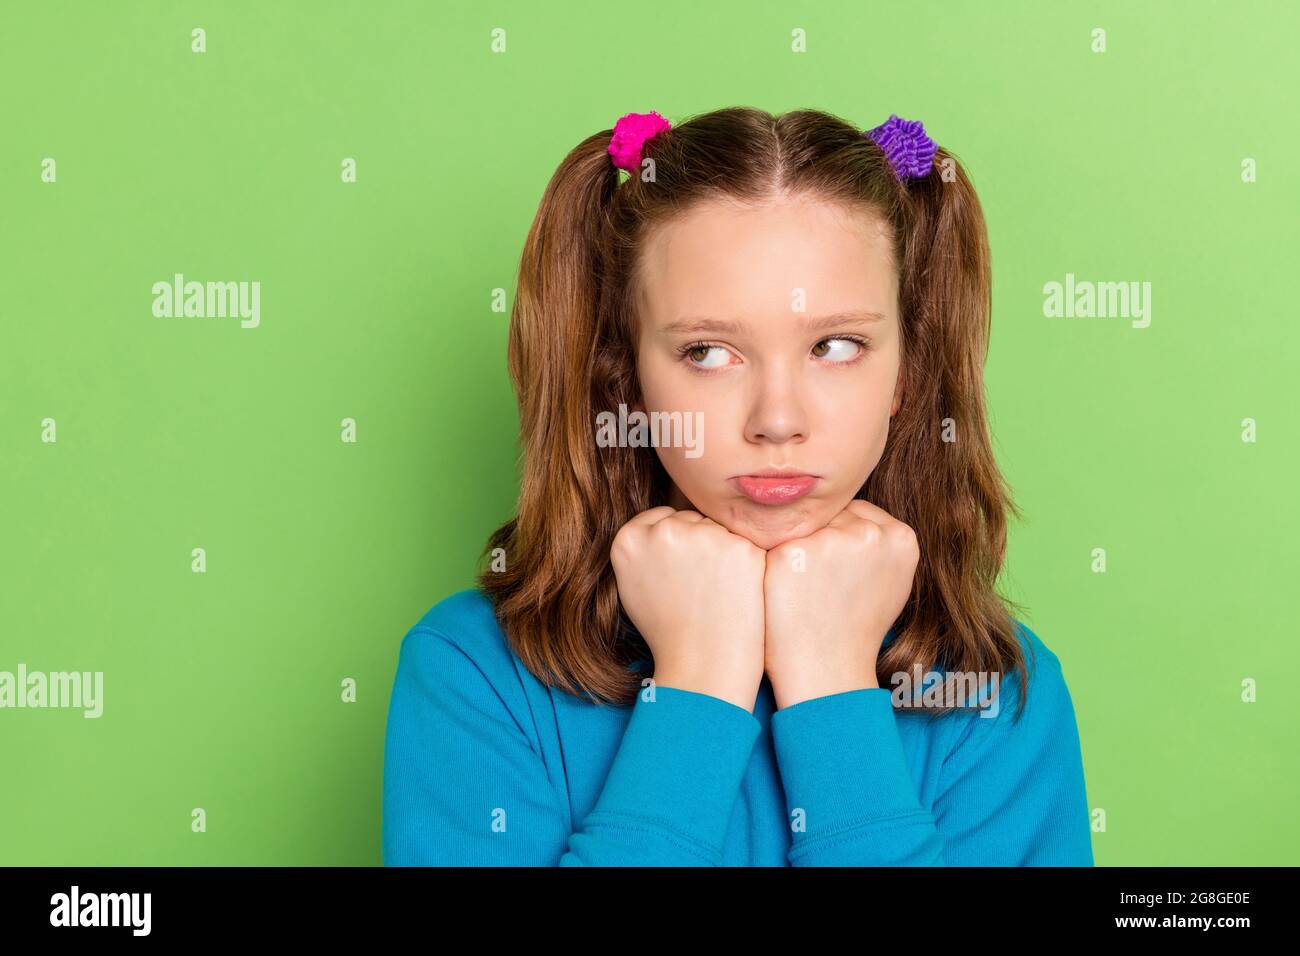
(776, 409)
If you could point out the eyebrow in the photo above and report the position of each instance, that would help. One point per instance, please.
(821, 323)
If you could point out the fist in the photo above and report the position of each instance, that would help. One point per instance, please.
(694, 591)
(829, 600)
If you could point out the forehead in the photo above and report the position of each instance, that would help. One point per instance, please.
(735, 260)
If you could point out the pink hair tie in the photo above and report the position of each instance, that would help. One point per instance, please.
(630, 134)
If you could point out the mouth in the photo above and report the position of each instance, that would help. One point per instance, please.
(775, 487)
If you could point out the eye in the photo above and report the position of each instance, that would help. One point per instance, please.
(698, 353)
(850, 346)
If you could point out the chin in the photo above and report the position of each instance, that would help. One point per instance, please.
(765, 539)
(767, 526)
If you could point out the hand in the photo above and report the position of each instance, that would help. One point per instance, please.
(829, 600)
(694, 591)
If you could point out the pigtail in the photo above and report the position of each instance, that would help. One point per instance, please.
(549, 598)
(946, 296)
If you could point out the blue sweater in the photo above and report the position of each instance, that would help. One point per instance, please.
(486, 766)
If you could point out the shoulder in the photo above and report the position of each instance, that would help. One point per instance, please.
(1047, 709)
(462, 624)
(467, 611)
(1047, 689)
(1040, 660)
(456, 672)
(457, 702)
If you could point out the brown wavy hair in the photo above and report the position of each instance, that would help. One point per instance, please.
(571, 355)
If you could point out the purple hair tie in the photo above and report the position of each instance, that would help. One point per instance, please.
(906, 146)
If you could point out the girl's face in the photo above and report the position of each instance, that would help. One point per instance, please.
(756, 318)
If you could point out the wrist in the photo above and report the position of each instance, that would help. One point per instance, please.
(789, 689)
(739, 690)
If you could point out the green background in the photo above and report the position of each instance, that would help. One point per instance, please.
(222, 690)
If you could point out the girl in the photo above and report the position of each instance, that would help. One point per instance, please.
(727, 651)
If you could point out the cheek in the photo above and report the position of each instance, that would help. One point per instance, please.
(851, 422)
(703, 444)
(692, 461)
(660, 385)
(855, 424)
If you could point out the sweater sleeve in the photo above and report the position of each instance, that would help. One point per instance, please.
(1008, 793)
(465, 786)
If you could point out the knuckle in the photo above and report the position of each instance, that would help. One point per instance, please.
(904, 535)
